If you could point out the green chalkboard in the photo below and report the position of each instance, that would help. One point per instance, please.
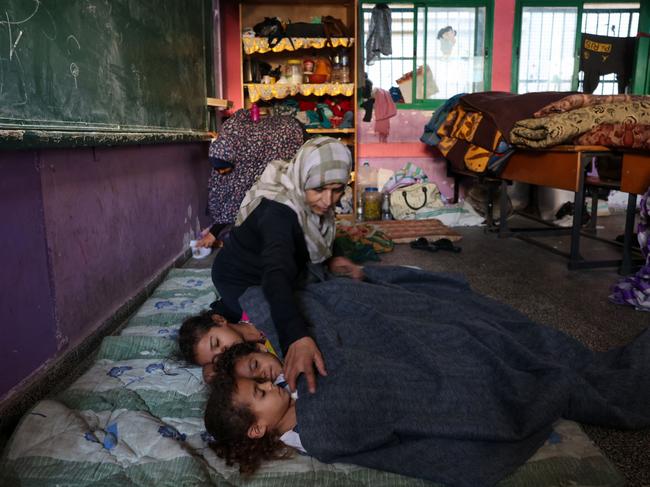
(104, 65)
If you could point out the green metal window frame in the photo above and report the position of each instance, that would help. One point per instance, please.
(641, 79)
(488, 37)
(644, 23)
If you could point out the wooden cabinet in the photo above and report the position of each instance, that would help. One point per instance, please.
(256, 50)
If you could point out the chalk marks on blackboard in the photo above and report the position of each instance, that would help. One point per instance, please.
(74, 68)
(97, 64)
(73, 38)
(13, 48)
(74, 71)
(13, 44)
(37, 4)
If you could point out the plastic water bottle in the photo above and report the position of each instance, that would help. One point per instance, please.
(385, 208)
(360, 207)
(367, 177)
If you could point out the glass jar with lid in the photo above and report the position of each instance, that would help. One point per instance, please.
(294, 71)
(371, 204)
(345, 68)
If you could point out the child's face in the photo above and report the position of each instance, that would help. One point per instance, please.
(214, 342)
(268, 403)
(259, 365)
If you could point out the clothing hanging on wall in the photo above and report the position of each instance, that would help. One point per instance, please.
(385, 109)
(604, 55)
(379, 34)
(248, 146)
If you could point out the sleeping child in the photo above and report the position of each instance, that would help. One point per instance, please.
(203, 337)
(245, 375)
(252, 362)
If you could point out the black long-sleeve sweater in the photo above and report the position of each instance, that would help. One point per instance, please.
(267, 249)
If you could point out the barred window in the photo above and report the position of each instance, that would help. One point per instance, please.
(445, 45)
(547, 48)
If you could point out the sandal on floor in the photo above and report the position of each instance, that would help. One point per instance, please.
(422, 244)
(446, 244)
(442, 244)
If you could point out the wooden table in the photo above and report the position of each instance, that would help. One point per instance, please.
(565, 167)
(635, 179)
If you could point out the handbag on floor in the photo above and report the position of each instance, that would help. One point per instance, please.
(405, 202)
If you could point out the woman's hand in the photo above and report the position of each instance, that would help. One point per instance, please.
(344, 267)
(301, 357)
(207, 241)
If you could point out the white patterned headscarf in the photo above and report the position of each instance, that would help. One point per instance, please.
(319, 162)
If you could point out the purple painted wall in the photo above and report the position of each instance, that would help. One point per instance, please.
(27, 325)
(83, 230)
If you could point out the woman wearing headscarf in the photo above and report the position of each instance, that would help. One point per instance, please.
(285, 221)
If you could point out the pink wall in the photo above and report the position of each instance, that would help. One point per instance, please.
(434, 167)
(232, 54)
(504, 19)
(406, 126)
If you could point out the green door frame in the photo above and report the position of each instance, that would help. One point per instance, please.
(641, 80)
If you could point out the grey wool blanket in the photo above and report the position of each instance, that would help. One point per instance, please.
(429, 379)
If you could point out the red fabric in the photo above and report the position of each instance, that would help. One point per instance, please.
(339, 107)
(384, 110)
(306, 105)
(629, 135)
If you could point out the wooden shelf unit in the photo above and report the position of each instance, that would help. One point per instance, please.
(252, 12)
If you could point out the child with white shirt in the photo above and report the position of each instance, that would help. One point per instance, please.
(266, 425)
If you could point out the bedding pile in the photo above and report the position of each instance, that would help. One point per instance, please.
(480, 131)
(614, 121)
(135, 418)
(472, 130)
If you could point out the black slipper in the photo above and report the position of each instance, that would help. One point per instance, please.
(422, 244)
(442, 244)
(446, 244)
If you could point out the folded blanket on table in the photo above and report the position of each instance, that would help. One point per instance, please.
(429, 379)
(580, 100)
(548, 131)
(430, 135)
(475, 134)
(624, 135)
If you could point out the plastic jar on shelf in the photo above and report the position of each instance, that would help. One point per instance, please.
(371, 204)
(294, 73)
